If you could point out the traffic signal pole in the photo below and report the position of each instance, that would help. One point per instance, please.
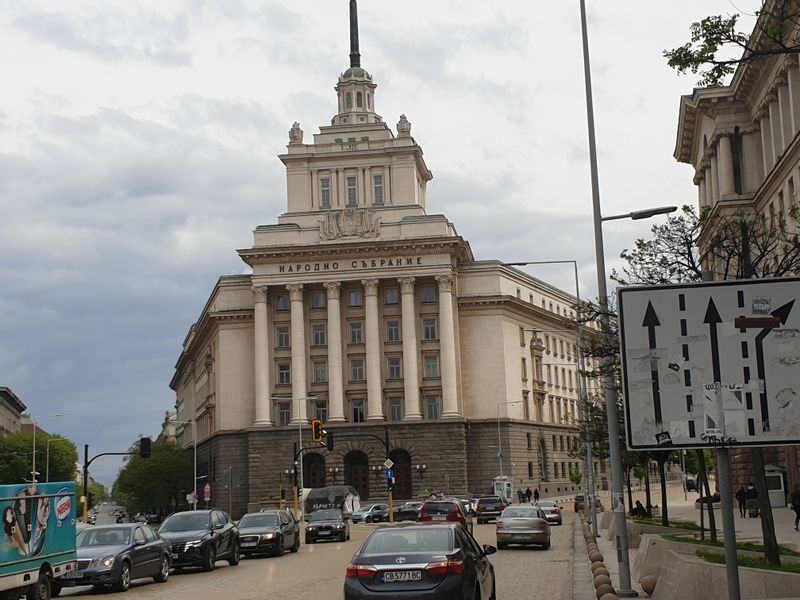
(87, 461)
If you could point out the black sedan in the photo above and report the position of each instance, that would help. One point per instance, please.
(268, 532)
(199, 538)
(434, 561)
(327, 524)
(114, 555)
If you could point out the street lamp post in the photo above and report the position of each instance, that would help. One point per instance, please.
(193, 422)
(499, 443)
(47, 454)
(34, 473)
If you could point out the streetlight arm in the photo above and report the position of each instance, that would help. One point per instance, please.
(642, 214)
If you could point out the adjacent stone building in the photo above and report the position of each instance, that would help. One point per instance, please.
(11, 409)
(370, 313)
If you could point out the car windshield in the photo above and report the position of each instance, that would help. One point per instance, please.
(366, 508)
(326, 515)
(547, 504)
(438, 508)
(186, 522)
(259, 520)
(116, 536)
(389, 541)
(494, 500)
(520, 513)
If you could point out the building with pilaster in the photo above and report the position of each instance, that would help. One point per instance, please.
(743, 145)
(369, 313)
(11, 409)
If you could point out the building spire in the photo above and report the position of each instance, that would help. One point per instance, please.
(355, 57)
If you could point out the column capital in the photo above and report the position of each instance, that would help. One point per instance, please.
(445, 282)
(260, 292)
(334, 288)
(406, 284)
(295, 291)
(370, 286)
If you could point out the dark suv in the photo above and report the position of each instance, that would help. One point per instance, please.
(444, 510)
(198, 538)
(490, 507)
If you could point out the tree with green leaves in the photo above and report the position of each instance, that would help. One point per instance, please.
(716, 46)
(154, 484)
(55, 452)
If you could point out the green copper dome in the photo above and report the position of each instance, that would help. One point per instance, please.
(356, 73)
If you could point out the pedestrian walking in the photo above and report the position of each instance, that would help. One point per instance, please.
(528, 494)
(741, 499)
(795, 498)
(536, 494)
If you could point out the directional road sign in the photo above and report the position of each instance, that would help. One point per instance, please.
(389, 473)
(388, 463)
(711, 363)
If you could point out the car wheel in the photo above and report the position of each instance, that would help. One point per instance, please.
(124, 582)
(309, 540)
(296, 546)
(163, 574)
(210, 558)
(55, 589)
(233, 559)
(368, 519)
(279, 549)
(41, 589)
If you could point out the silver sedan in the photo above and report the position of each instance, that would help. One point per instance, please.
(523, 525)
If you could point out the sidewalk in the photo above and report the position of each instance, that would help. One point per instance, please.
(746, 529)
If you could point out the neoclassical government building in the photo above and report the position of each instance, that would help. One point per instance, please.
(368, 312)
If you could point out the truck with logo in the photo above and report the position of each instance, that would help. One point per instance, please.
(38, 539)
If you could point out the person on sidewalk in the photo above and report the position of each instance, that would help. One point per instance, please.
(741, 499)
(795, 498)
(536, 494)
(639, 510)
(528, 494)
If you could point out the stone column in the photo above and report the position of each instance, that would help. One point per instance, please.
(725, 164)
(793, 78)
(766, 142)
(447, 345)
(775, 129)
(361, 198)
(714, 180)
(263, 400)
(335, 384)
(787, 124)
(299, 389)
(410, 351)
(316, 196)
(701, 193)
(387, 196)
(374, 353)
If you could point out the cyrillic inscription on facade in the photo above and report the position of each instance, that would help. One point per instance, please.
(375, 263)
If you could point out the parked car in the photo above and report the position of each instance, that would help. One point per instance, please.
(327, 524)
(406, 512)
(691, 484)
(153, 519)
(444, 510)
(371, 513)
(490, 507)
(551, 510)
(437, 561)
(523, 524)
(113, 555)
(580, 502)
(268, 532)
(198, 538)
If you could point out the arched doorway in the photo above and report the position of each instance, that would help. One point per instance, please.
(313, 470)
(402, 473)
(356, 472)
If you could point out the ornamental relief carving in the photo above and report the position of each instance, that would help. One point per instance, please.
(349, 222)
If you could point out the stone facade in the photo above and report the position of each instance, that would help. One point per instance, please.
(11, 408)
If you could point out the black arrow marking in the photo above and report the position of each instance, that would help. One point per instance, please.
(713, 319)
(651, 322)
(782, 314)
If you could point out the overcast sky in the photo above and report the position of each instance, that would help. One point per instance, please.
(138, 145)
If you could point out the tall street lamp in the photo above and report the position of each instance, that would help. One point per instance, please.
(49, 440)
(193, 422)
(499, 443)
(34, 473)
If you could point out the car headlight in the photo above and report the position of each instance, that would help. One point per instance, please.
(194, 543)
(267, 536)
(312, 528)
(106, 561)
(339, 525)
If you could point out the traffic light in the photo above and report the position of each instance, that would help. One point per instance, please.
(329, 441)
(390, 484)
(316, 430)
(144, 447)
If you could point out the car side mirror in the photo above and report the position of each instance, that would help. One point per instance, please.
(139, 542)
(487, 549)
(219, 526)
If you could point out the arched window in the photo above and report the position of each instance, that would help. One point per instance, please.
(349, 100)
(359, 100)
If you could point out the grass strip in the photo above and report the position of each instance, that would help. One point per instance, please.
(749, 561)
(747, 546)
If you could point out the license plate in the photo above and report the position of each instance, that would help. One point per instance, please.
(174, 556)
(438, 518)
(73, 575)
(393, 576)
(324, 533)
(519, 538)
(248, 544)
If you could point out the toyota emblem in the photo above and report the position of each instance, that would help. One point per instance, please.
(400, 560)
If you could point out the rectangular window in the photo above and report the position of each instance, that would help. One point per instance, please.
(394, 368)
(393, 331)
(529, 439)
(357, 370)
(431, 365)
(284, 374)
(391, 295)
(283, 337)
(530, 470)
(320, 372)
(356, 333)
(325, 192)
(284, 414)
(547, 343)
(522, 336)
(429, 329)
(282, 302)
(429, 294)
(524, 369)
(433, 407)
(377, 188)
(358, 411)
(355, 298)
(352, 196)
(318, 300)
(395, 409)
(318, 332)
(321, 411)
